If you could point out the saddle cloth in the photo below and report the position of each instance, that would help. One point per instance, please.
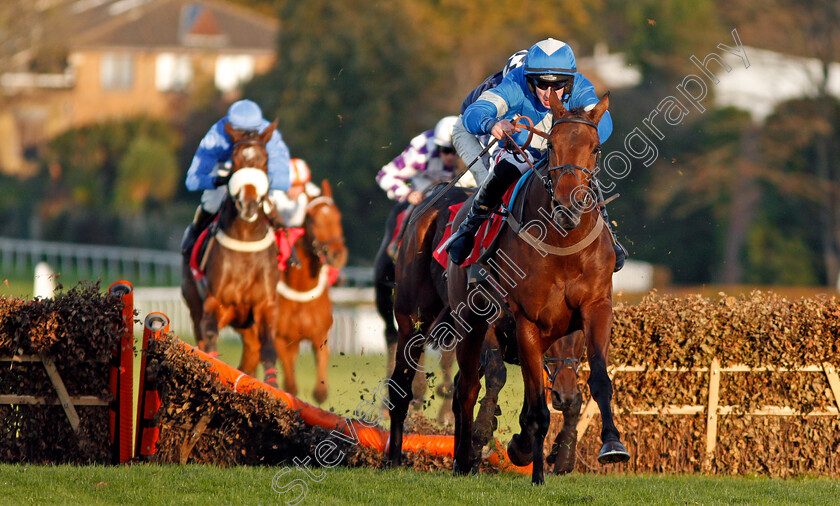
(488, 230)
(285, 239)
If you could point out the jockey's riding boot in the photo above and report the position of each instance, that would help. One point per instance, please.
(200, 221)
(620, 252)
(486, 201)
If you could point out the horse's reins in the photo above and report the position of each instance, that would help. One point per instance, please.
(549, 184)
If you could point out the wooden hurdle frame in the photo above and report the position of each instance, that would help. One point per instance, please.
(68, 403)
(713, 409)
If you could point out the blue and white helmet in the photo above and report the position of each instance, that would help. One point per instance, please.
(551, 60)
(245, 115)
(515, 60)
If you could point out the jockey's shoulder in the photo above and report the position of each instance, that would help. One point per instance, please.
(311, 190)
(422, 140)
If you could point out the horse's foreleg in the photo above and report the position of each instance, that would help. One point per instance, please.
(406, 359)
(322, 354)
(565, 443)
(208, 328)
(268, 354)
(597, 322)
(527, 446)
(250, 351)
(495, 376)
(288, 353)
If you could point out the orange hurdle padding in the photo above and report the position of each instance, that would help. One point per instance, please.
(148, 402)
(122, 379)
(370, 437)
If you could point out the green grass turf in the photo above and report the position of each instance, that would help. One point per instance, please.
(192, 484)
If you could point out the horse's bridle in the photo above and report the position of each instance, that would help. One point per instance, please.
(571, 363)
(568, 167)
(316, 247)
(545, 175)
(248, 141)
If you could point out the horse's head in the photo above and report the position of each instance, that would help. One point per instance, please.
(323, 229)
(574, 152)
(562, 371)
(248, 185)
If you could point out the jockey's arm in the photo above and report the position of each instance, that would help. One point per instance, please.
(583, 95)
(278, 163)
(394, 177)
(212, 149)
(468, 147)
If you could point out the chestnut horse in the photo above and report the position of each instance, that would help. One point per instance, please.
(555, 284)
(241, 259)
(303, 303)
(420, 296)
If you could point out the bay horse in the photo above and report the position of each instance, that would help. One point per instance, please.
(555, 284)
(241, 256)
(303, 304)
(384, 274)
(420, 307)
(561, 366)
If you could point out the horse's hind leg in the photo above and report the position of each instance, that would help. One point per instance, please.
(322, 355)
(446, 416)
(597, 321)
(495, 376)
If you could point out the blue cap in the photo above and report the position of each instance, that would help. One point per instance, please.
(245, 115)
(549, 60)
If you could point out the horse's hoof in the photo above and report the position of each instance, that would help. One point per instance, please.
(518, 457)
(320, 393)
(613, 452)
(459, 470)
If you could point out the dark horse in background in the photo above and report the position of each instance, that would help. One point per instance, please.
(562, 282)
(384, 274)
(303, 304)
(420, 299)
(241, 257)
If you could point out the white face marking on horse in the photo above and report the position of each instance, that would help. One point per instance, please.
(249, 153)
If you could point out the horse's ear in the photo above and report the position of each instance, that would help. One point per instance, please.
(600, 108)
(266, 134)
(556, 105)
(233, 133)
(326, 189)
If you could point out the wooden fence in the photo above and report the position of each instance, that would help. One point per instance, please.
(713, 409)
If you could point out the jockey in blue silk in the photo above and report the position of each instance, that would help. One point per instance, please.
(207, 171)
(549, 67)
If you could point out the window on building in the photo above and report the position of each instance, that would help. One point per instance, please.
(117, 72)
(173, 72)
(231, 71)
